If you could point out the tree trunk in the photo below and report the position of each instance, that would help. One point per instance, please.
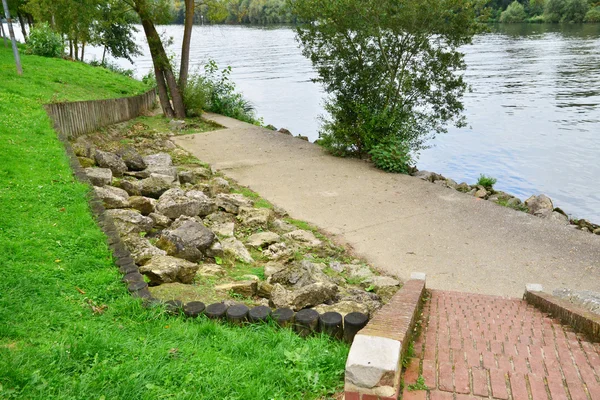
(103, 55)
(176, 96)
(12, 38)
(82, 51)
(70, 49)
(22, 23)
(163, 71)
(185, 47)
(3, 34)
(30, 21)
(76, 49)
(153, 38)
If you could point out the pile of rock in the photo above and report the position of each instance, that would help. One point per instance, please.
(180, 223)
(540, 206)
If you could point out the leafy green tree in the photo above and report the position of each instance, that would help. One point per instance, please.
(554, 10)
(575, 11)
(514, 13)
(114, 29)
(391, 68)
(535, 7)
(593, 15)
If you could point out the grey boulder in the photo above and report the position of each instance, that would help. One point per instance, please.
(174, 203)
(141, 249)
(99, 176)
(186, 238)
(130, 221)
(232, 202)
(308, 296)
(237, 249)
(112, 197)
(111, 161)
(166, 269)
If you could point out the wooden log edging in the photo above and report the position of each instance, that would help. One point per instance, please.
(80, 117)
(573, 315)
(122, 257)
(374, 366)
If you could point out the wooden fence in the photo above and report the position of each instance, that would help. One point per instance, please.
(79, 117)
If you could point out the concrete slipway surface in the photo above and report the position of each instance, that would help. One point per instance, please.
(399, 223)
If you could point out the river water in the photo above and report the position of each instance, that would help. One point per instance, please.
(533, 113)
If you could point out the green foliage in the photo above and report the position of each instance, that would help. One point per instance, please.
(114, 29)
(418, 385)
(389, 70)
(554, 10)
(43, 41)
(53, 344)
(215, 91)
(538, 19)
(514, 13)
(486, 181)
(113, 68)
(575, 11)
(566, 10)
(593, 15)
(392, 155)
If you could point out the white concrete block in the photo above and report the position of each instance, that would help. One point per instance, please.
(419, 276)
(534, 287)
(371, 358)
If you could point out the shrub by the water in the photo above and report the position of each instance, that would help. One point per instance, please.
(43, 41)
(515, 12)
(565, 10)
(214, 91)
(392, 155)
(593, 15)
(486, 181)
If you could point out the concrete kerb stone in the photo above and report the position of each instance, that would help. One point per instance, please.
(577, 317)
(374, 365)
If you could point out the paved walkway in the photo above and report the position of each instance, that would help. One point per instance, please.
(399, 223)
(476, 346)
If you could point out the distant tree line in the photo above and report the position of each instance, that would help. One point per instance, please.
(263, 12)
(259, 12)
(539, 11)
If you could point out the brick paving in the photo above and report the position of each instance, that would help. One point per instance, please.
(475, 346)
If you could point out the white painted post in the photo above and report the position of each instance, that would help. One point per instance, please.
(12, 38)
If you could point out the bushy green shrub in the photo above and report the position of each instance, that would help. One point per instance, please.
(575, 11)
(43, 41)
(392, 155)
(538, 19)
(486, 181)
(593, 15)
(554, 10)
(566, 10)
(112, 67)
(196, 95)
(515, 12)
(214, 91)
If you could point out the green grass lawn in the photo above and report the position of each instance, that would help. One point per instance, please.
(55, 267)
